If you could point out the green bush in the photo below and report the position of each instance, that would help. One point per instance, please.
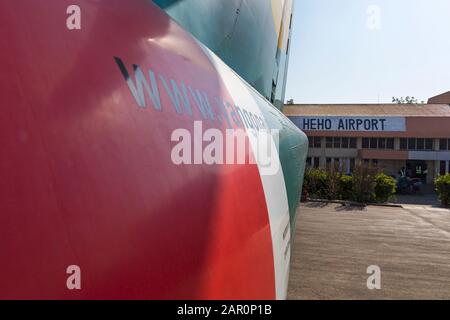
(364, 183)
(385, 187)
(346, 187)
(442, 184)
(316, 183)
(333, 186)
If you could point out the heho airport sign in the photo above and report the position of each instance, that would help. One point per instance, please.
(336, 123)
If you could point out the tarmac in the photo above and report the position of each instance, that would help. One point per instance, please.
(334, 246)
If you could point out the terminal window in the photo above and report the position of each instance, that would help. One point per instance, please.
(443, 168)
(444, 144)
(340, 143)
(313, 162)
(315, 142)
(416, 144)
(378, 143)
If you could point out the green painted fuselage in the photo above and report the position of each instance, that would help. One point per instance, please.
(251, 36)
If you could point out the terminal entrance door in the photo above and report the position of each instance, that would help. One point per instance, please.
(417, 169)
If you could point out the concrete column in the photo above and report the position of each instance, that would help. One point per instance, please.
(430, 172)
(396, 143)
(359, 143)
(437, 168)
(323, 162)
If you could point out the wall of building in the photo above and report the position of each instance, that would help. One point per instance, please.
(389, 161)
(442, 98)
(392, 136)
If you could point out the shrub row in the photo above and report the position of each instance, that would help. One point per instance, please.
(365, 185)
(442, 184)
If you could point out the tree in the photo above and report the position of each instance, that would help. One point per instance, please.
(290, 101)
(407, 100)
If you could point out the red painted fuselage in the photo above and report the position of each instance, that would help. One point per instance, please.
(86, 176)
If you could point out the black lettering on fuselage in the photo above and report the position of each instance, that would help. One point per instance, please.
(137, 90)
(178, 94)
(175, 95)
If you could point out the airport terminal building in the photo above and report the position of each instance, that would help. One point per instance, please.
(412, 137)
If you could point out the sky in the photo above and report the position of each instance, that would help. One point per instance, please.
(360, 51)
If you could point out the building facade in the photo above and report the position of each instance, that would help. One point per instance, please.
(395, 137)
(442, 98)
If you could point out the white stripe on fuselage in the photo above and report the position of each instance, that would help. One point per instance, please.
(273, 185)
